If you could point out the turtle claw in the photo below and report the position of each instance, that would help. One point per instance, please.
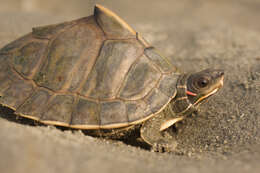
(162, 147)
(158, 148)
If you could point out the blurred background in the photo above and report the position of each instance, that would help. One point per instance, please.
(168, 15)
(150, 9)
(195, 34)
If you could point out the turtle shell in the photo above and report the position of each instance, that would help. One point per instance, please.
(92, 73)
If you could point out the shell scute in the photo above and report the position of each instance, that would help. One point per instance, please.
(167, 84)
(35, 104)
(13, 89)
(161, 62)
(5, 76)
(156, 100)
(25, 59)
(86, 112)
(63, 67)
(141, 78)
(49, 31)
(90, 73)
(137, 110)
(16, 94)
(16, 44)
(115, 58)
(112, 113)
(59, 109)
(112, 25)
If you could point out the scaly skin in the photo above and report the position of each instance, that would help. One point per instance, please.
(155, 131)
(189, 96)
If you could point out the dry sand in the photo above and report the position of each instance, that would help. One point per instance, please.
(223, 137)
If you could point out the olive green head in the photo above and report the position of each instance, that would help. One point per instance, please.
(193, 89)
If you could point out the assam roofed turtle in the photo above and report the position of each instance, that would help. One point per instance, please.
(98, 73)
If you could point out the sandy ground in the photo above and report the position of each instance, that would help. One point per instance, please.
(224, 137)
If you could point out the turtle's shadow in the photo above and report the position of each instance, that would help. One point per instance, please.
(132, 139)
(8, 114)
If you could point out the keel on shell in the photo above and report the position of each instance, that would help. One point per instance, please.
(90, 73)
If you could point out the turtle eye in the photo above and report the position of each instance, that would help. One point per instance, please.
(202, 82)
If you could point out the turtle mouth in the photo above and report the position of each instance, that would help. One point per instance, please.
(221, 82)
(199, 101)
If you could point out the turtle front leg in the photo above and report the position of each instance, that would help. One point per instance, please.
(153, 132)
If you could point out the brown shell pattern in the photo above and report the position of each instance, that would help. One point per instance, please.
(94, 72)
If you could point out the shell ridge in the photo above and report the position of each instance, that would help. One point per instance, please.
(112, 24)
(92, 67)
(100, 26)
(94, 112)
(125, 77)
(88, 55)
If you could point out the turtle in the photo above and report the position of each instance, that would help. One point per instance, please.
(97, 73)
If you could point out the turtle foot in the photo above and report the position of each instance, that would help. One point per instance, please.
(163, 147)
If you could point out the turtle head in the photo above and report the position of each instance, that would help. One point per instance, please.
(194, 88)
(203, 84)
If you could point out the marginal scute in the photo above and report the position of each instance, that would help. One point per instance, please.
(136, 110)
(13, 90)
(112, 25)
(141, 78)
(113, 112)
(35, 104)
(90, 73)
(112, 65)
(86, 112)
(5, 74)
(59, 109)
(168, 83)
(72, 51)
(161, 62)
(156, 100)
